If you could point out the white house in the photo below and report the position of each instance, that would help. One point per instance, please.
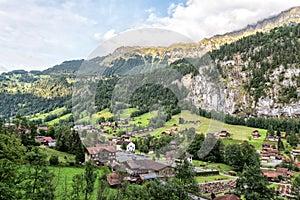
(189, 157)
(130, 147)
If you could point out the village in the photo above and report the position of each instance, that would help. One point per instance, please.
(115, 147)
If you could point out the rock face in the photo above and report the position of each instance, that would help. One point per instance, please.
(208, 90)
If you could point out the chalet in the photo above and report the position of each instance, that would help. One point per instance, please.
(52, 143)
(189, 157)
(137, 167)
(130, 147)
(296, 154)
(46, 140)
(255, 134)
(101, 154)
(223, 133)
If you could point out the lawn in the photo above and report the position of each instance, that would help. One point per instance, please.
(206, 125)
(56, 121)
(57, 111)
(63, 179)
(218, 166)
(62, 156)
(203, 179)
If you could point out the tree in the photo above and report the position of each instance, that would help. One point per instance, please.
(216, 154)
(53, 160)
(79, 154)
(237, 155)
(253, 185)
(296, 187)
(270, 131)
(280, 145)
(123, 146)
(90, 176)
(292, 139)
(185, 174)
(38, 180)
(77, 187)
(195, 145)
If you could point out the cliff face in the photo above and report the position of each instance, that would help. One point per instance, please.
(237, 90)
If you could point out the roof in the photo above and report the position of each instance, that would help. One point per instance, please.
(44, 128)
(113, 179)
(270, 174)
(99, 148)
(145, 164)
(46, 139)
(228, 197)
(147, 176)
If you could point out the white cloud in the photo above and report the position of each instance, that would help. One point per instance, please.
(39, 35)
(205, 18)
(109, 34)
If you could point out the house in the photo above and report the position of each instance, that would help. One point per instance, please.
(101, 154)
(284, 172)
(52, 143)
(145, 166)
(224, 133)
(113, 179)
(46, 140)
(189, 157)
(296, 154)
(255, 134)
(42, 129)
(228, 197)
(130, 147)
(9, 125)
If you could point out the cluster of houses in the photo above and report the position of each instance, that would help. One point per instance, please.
(137, 168)
(269, 154)
(285, 190)
(283, 172)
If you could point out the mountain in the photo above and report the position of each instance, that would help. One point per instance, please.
(258, 69)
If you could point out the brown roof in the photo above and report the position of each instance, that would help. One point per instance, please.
(228, 197)
(145, 164)
(270, 174)
(113, 179)
(99, 148)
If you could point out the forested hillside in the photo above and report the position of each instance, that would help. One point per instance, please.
(260, 74)
(263, 69)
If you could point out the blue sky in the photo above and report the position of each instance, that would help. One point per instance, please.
(37, 34)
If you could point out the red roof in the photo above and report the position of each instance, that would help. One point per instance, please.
(46, 139)
(228, 197)
(298, 164)
(113, 179)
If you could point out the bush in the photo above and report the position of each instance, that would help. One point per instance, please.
(53, 160)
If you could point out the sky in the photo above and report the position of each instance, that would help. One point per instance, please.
(37, 34)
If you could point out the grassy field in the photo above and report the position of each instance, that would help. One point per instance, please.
(63, 180)
(56, 121)
(39, 116)
(203, 179)
(62, 156)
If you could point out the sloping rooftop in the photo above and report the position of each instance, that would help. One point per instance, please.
(101, 147)
(228, 197)
(144, 164)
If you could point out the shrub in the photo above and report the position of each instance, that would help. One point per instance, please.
(53, 160)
